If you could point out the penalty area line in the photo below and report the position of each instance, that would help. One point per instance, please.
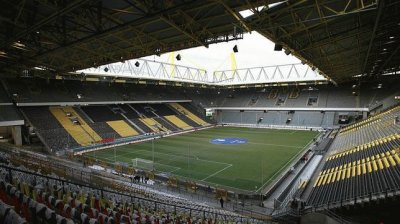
(176, 169)
(219, 171)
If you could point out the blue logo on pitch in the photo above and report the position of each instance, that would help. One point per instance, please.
(228, 141)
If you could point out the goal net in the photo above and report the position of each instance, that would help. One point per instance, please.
(143, 164)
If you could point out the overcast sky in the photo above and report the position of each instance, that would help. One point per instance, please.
(254, 51)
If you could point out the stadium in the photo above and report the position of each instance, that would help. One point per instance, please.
(111, 112)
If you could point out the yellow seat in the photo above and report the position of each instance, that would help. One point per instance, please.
(122, 128)
(188, 114)
(153, 124)
(364, 168)
(178, 122)
(82, 133)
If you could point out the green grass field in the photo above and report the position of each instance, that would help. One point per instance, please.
(242, 167)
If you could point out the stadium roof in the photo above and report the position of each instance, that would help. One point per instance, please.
(342, 38)
(70, 35)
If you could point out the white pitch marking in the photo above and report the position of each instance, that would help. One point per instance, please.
(177, 168)
(219, 171)
(288, 146)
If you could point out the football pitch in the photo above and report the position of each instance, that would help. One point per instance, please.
(245, 159)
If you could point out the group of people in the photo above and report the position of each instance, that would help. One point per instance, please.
(139, 179)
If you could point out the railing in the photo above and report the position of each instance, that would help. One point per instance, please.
(272, 126)
(281, 174)
(89, 178)
(103, 145)
(115, 143)
(339, 218)
(135, 139)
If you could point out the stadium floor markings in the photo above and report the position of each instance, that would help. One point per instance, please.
(219, 171)
(195, 157)
(177, 168)
(163, 164)
(104, 158)
(255, 132)
(215, 168)
(210, 134)
(211, 161)
(167, 162)
(118, 155)
(167, 154)
(227, 165)
(288, 162)
(268, 144)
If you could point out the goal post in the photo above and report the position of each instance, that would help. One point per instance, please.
(143, 164)
(148, 165)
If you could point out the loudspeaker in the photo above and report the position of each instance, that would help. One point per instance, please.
(235, 49)
(278, 47)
